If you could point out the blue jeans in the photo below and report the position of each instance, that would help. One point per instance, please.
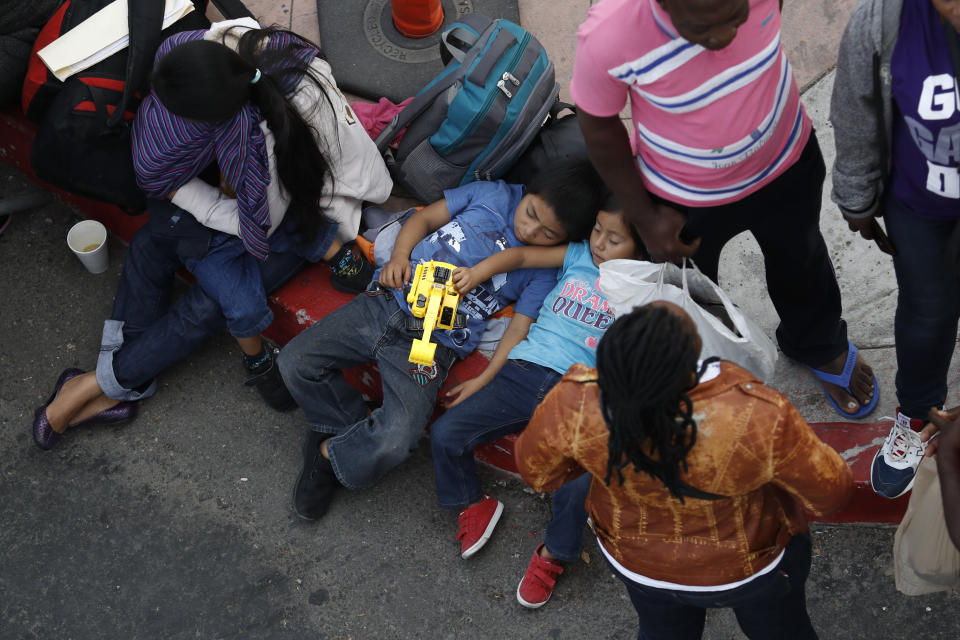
(504, 405)
(229, 275)
(370, 328)
(772, 606)
(147, 331)
(928, 307)
(564, 536)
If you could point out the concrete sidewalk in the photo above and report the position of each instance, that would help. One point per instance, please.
(179, 524)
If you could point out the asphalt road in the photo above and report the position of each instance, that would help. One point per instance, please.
(179, 524)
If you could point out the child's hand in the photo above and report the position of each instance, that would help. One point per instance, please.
(462, 391)
(395, 274)
(464, 279)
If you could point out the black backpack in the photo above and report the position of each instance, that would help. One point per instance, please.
(82, 143)
(558, 139)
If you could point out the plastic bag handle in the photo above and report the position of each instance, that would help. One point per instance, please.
(663, 268)
(724, 298)
(683, 276)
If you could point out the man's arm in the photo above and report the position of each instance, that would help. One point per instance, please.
(659, 225)
(397, 272)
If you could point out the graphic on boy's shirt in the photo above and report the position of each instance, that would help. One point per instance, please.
(447, 242)
(449, 239)
(481, 302)
(450, 235)
(579, 301)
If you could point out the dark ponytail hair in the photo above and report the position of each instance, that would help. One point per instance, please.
(646, 363)
(208, 81)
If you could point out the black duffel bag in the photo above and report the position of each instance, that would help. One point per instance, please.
(82, 143)
(559, 138)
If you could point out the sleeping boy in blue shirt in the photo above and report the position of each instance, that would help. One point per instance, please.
(348, 446)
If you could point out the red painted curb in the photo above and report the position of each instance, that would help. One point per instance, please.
(309, 296)
(856, 442)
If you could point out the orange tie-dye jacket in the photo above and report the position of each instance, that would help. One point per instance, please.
(752, 447)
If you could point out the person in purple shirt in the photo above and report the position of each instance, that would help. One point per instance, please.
(896, 117)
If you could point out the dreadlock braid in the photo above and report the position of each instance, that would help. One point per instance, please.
(645, 363)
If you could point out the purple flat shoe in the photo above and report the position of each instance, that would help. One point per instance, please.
(43, 433)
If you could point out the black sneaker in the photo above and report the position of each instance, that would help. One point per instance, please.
(317, 481)
(266, 378)
(352, 272)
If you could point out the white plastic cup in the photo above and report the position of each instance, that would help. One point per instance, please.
(88, 241)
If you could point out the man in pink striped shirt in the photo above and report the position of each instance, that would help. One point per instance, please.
(720, 144)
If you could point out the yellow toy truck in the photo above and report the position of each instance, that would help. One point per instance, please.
(432, 297)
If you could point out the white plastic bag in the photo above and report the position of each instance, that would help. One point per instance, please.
(633, 283)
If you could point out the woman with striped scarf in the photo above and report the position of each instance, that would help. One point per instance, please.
(257, 113)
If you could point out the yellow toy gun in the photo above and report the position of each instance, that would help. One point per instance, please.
(432, 297)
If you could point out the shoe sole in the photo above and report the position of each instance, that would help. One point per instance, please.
(345, 289)
(873, 486)
(530, 605)
(486, 533)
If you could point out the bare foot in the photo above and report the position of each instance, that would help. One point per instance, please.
(861, 383)
(92, 408)
(73, 396)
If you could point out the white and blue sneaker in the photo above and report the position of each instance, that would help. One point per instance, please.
(896, 462)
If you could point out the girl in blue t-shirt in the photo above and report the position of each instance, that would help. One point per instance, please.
(502, 399)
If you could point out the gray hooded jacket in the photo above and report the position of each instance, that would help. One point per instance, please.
(861, 108)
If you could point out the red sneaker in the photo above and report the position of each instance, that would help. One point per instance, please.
(537, 584)
(476, 525)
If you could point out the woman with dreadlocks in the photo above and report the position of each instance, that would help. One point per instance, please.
(700, 476)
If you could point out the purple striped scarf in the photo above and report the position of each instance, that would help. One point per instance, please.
(168, 151)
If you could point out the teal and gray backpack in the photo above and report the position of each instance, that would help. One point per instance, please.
(473, 120)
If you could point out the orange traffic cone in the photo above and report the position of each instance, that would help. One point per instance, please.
(417, 18)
